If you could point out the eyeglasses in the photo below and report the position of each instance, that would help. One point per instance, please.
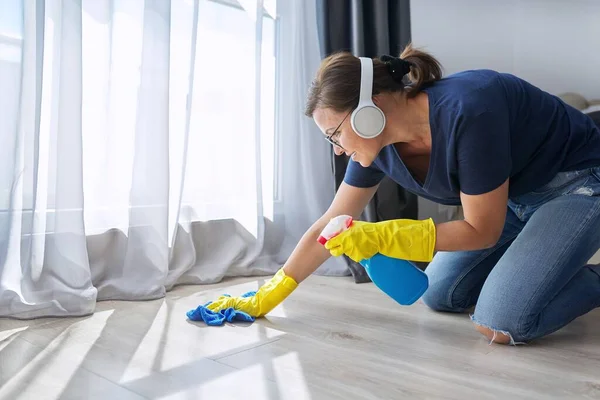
(336, 132)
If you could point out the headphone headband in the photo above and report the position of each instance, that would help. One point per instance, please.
(366, 80)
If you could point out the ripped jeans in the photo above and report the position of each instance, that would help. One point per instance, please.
(536, 279)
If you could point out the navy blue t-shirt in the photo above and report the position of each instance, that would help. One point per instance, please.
(487, 127)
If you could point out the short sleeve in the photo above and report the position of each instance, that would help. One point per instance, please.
(359, 176)
(483, 153)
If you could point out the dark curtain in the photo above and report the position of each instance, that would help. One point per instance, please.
(368, 28)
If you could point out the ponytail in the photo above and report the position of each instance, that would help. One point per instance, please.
(424, 69)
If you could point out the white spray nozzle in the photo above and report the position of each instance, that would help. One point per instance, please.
(335, 226)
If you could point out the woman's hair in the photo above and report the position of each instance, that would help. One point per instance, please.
(337, 82)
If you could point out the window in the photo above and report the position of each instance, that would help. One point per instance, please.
(222, 165)
(230, 169)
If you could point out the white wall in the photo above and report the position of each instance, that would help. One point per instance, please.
(554, 44)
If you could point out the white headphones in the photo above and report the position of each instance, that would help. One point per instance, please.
(367, 119)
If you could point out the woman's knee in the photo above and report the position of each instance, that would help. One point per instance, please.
(455, 280)
(442, 296)
(494, 335)
(435, 299)
(500, 324)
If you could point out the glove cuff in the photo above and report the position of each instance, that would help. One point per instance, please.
(429, 238)
(274, 292)
(285, 281)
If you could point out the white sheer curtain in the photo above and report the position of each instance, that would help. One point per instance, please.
(152, 143)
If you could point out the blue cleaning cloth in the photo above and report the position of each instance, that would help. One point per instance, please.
(202, 313)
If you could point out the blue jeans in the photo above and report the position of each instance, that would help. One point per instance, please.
(535, 279)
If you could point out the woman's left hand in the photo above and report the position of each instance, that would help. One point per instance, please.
(402, 238)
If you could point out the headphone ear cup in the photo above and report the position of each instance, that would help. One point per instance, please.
(368, 121)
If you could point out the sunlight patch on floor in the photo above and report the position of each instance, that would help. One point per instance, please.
(289, 374)
(9, 335)
(57, 363)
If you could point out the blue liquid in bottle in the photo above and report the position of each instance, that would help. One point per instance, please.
(399, 279)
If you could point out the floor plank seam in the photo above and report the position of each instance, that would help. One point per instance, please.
(117, 383)
(114, 382)
(243, 350)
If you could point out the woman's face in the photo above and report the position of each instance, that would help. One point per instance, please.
(344, 139)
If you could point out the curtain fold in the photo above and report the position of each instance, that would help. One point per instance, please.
(368, 28)
(153, 143)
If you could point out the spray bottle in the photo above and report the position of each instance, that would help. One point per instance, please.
(399, 279)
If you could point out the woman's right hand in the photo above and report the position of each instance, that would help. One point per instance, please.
(266, 298)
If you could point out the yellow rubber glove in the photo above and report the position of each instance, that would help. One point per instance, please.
(266, 298)
(401, 238)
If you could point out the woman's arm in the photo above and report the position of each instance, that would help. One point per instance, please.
(309, 254)
(482, 226)
(305, 259)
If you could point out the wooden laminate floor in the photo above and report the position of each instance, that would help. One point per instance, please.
(332, 339)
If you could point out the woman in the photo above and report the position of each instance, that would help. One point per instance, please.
(524, 166)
